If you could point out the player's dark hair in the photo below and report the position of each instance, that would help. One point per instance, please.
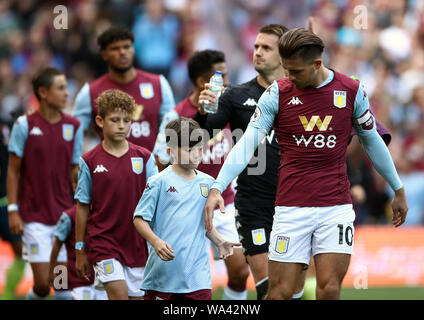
(301, 43)
(44, 77)
(275, 29)
(183, 132)
(113, 34)
(201, 63)
(114, 99)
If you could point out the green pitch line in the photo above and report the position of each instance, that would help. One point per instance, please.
(416, 293)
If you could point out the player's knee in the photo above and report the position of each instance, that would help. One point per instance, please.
(279, 292)
(238, 274)
(329, 290)
(237, 280)
(42, 289)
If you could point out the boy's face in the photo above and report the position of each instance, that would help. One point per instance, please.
(57, 95)
(115, 125)
(186, 157)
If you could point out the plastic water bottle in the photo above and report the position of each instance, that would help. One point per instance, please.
(216, 82)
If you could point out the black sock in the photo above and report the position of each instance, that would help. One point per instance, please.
(262, 288)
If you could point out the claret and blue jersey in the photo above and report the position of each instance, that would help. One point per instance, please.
(113, 186)
(313, 127)
(48, 151)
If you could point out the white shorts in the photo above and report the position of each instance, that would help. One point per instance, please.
(112, 270)
(88, 293)
(225, 224)
(298, 232)
(37, 243)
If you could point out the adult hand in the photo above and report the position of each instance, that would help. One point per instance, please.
(400, 208)
(214, 200)
(226, 249)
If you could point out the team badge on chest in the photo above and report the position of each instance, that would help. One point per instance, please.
(137, 165)
(146, 90)
(339, 98)
(204, 189)
(68, 132)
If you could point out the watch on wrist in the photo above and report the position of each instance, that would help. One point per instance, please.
(79, 245)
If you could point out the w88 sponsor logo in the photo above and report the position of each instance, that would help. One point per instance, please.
(217, 152)
(139, 129)
(318, 141)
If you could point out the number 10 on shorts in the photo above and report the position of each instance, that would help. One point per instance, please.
(345, 235)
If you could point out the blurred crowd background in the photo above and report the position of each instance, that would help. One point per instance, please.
(386, 53)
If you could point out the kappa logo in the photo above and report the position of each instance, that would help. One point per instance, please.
(295, 100)
(100, 168)
(36, 131)
(315, 120)
(171, 189)
(250, 102)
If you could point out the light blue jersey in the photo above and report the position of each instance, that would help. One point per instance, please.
(174, 209)
(63, 227)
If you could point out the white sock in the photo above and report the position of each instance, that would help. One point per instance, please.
(298, 295)
(33, 296)
(62, 295)
(230, 294)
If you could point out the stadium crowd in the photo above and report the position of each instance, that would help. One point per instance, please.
(386, 53)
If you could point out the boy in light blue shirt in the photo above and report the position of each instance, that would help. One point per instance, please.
(169, 216)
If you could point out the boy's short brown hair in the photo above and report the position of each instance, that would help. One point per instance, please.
(183, 132)
(114, 99)
(44, 77)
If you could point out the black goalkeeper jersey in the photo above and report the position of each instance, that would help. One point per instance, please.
(236, 106)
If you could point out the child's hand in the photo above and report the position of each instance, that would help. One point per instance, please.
(226, 249)
(163, 250)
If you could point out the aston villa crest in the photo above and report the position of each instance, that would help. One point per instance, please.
(68, 132)
(137, 165)
(339, 99)
(146, 90)
(204, 189)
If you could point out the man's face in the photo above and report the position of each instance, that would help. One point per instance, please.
(266, 57)
(115, 125)
(119, 55)
(302, 74)
(221, 66)
(57, 94)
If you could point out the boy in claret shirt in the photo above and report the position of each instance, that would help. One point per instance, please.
(111, 180)
(43, 150)
(170, 217)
